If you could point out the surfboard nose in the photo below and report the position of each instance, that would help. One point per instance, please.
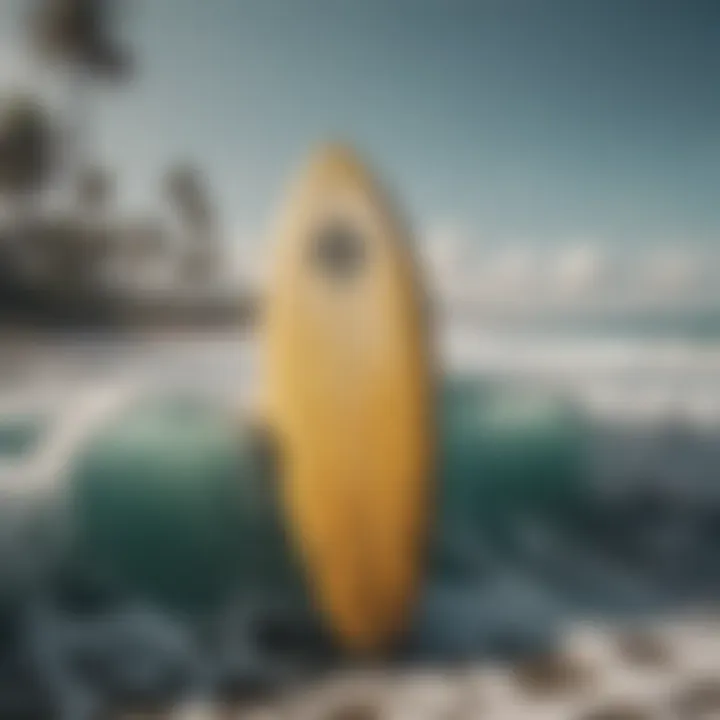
(349, 387)
(335, 160)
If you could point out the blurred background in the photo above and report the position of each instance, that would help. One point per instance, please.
(559, 161)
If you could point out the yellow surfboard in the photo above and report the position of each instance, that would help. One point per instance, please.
(348, 394)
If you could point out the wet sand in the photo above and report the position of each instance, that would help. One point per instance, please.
(667, 669)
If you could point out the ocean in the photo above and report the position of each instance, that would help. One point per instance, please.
(651, 399)
(650, 375)
(650, 369)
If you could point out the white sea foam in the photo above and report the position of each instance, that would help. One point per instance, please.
(646, 381)
(623, 378)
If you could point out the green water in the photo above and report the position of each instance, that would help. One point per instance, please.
(174, 499)
(20, 435)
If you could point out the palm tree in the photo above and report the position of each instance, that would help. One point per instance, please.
(52, 258)
(26, 147)
(188, 195)
(26, 161)
(77, 34)
(94, 189)
(94, 192)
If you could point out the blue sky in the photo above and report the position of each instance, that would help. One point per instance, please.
(519, 121)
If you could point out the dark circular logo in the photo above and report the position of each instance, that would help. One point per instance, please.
(338, 251)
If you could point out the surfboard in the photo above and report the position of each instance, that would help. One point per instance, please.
(349, 396)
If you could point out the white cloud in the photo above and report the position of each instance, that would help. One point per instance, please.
(577, 271)
(246, 265)
(673, 272)
(585, 273)
(449, 255)
(510, 275)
